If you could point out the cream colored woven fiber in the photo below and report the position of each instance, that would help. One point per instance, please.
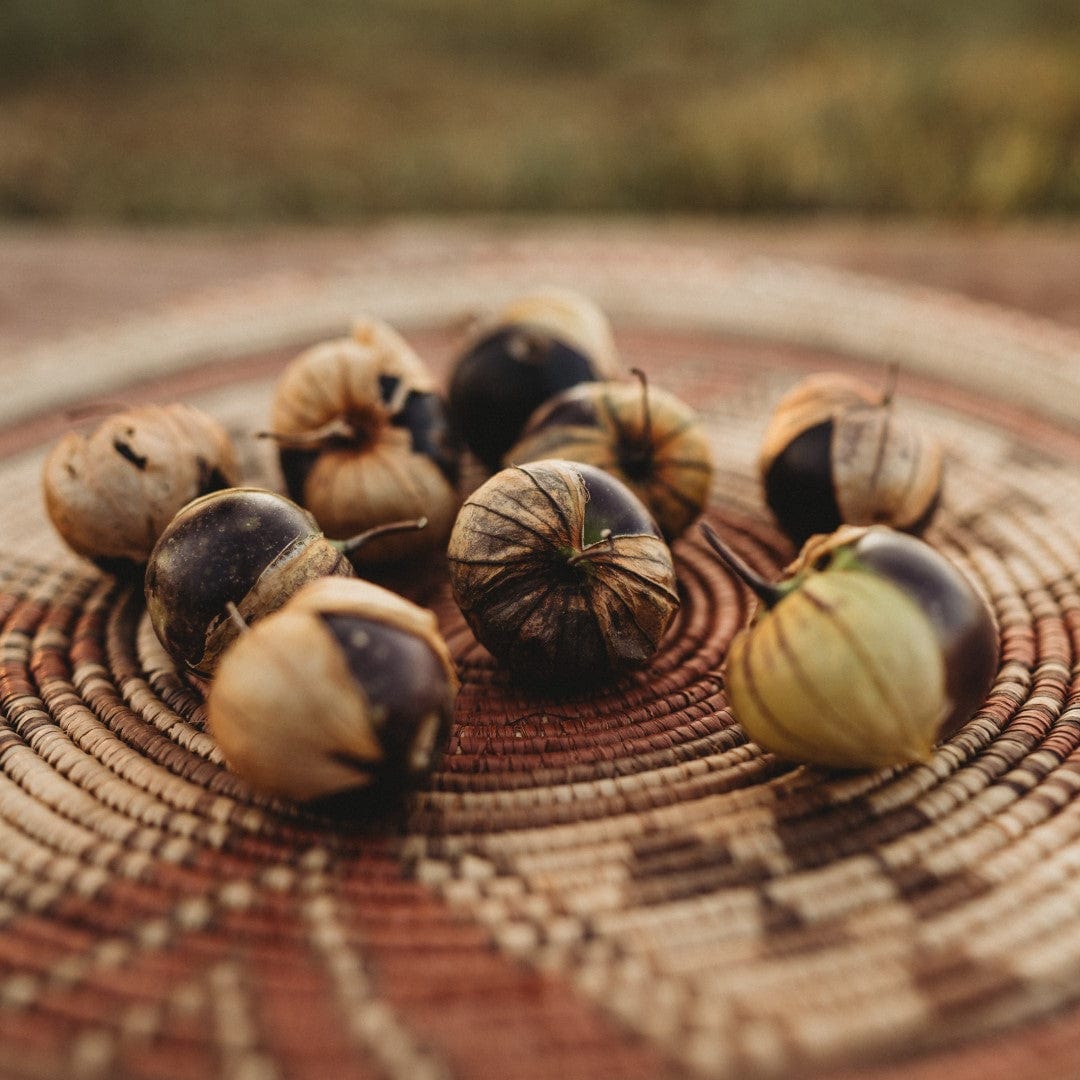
(613, 884)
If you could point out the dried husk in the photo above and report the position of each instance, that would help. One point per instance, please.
(817, 549)
(289, 715)
(335, 378)
(596, 423)
(349, 493)
(845, 671)
(564, 314)
(544, 617)
(246, 545)
(811, 401)
(333, 596)
(309, 559)
(884, 469)
(370, 472)
(111, 494)
(262, 700)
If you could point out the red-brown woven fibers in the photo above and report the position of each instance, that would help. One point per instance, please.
(606, 885)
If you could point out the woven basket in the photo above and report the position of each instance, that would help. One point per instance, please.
(605, 885)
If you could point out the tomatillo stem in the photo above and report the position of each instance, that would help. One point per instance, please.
(588, 552)
(236, 618)
(314, 439)
(347, 547)
(646, 412)
(768, 593)
(892, 378)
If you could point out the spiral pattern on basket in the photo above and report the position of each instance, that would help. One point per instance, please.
(606, 884)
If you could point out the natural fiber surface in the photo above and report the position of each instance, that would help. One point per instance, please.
(606, 885)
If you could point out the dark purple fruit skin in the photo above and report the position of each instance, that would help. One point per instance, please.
(403, 678)
(212, 553)
(962, 621)
(799, 485)
(424, 416)
(612, 506)
(406, 678)
(493, 392)
(801, 492)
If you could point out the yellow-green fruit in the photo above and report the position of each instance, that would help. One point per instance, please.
(872, 651)
(844, 671)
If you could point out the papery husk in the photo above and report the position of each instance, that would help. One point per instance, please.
(287, 714)
(884, 469)
(284, 707)
(341, 376)
(815, 399)
(355, 596)
(508, 559)
(111, 494)
(352, 488)
(349, 492)
(844, 671)
(307, 559)
(564, 314)
(820, 545)
(678, 484)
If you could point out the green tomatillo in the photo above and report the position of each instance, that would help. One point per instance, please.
(873, 650)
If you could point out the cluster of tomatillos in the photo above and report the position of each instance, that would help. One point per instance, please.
(319, 681)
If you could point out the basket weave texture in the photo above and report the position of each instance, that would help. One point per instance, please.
(611, 884)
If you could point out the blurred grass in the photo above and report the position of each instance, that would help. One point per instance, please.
(284, 110)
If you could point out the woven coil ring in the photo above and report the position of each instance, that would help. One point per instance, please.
(680, 899)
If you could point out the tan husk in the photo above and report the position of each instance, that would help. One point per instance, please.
(820, 545)
(844, 671)
(287, 713)
(884, 469)
(349, 492)
(680, 470)
(313, 557)
(812, 401)
(339, 377)
(375, 476)
(338, 596)
(564, 314)
(509, 567)
(111, 494)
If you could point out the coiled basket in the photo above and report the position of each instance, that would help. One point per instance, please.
(606, 885)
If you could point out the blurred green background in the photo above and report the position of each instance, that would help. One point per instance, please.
(190, 111)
